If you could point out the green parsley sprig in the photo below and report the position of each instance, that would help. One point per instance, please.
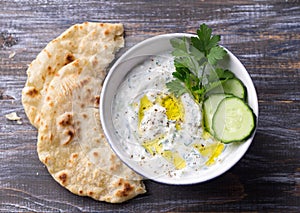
(195, 61)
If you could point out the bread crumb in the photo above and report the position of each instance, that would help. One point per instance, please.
(13, 117)
(11, 55)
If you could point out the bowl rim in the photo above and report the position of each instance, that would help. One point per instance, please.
(126, 56)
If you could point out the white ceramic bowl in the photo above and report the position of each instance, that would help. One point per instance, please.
(117, 74)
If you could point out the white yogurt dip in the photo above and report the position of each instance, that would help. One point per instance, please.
(161, 132)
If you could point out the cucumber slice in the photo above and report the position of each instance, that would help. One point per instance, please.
(233, 120)
(210, 105)
(232, 86)
(235, 87)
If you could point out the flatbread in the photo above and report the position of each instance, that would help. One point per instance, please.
(71, 142)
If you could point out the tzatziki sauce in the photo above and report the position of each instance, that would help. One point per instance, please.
(161, 132)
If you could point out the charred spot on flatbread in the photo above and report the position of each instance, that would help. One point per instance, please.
(31, 91)
(69, 58)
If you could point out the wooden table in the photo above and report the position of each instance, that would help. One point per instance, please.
(263, 34)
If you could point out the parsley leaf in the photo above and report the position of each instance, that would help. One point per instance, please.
(216, 53)
(220, 74)
(176, 88)
(187, 55)
(205, 41)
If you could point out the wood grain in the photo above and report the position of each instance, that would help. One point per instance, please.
(264, 34)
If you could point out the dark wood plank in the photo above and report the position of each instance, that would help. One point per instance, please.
(265, 35)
